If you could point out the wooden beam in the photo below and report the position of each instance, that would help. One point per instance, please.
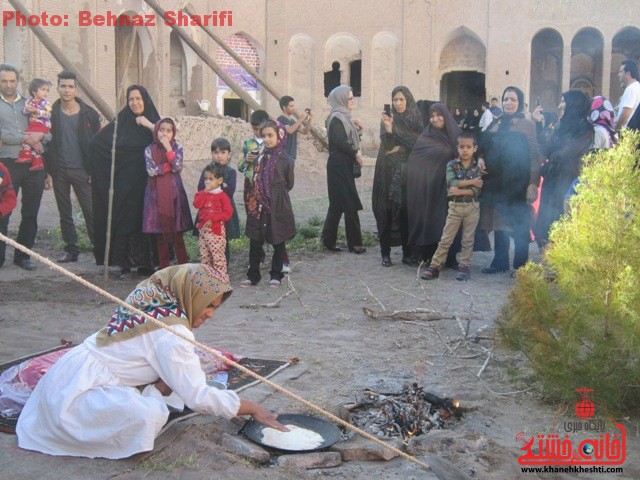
(206, 58)
(254, 73)
(66, 63)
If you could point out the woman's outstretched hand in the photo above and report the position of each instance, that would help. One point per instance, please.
(260, 415)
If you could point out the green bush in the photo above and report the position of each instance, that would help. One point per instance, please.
(315, 221)
(582, 330)
(84, 244)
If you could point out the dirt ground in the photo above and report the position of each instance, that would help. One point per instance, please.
(341, 353)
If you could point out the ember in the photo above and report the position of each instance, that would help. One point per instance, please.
(409, 413)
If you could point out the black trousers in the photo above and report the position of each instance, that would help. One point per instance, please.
(255, 255)
(386, 233)
(32, 185)
(502, 240)
(351, 226)
(518, 219)
(63, 182)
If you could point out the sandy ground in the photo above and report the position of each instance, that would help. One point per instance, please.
(341, 353)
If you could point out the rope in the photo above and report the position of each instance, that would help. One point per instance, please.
(207, 349)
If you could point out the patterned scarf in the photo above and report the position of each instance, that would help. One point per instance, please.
(174, 295)
(263, 173)
(163, 183)
(602, 114)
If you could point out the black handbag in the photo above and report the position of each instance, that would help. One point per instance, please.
(357, 170)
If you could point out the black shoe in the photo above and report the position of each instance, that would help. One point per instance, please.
(68, 257)
(25, 263)
(357, 250)
(146, 271)
(335, 248)
(410, 261)
(492, 270)
(386, 261)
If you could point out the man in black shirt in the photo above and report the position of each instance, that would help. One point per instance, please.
(73, 124)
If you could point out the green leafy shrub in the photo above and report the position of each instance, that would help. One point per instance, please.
(582, 330)
(84, 244)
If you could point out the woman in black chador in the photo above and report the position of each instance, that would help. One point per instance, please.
(509, 153)
(129, 248)
(398, 135)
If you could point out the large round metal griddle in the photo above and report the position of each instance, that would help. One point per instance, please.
(329, 432)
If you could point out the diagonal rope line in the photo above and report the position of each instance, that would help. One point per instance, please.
(209, 350)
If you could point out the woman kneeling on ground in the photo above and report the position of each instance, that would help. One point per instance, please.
(89, 404)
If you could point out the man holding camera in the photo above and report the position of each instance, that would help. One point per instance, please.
(292, 126)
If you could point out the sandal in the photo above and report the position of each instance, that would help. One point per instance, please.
(274, 283)
(431, 273)
(247, 283)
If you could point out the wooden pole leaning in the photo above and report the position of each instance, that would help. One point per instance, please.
(66, 63)
(253, 72)
(206, 58)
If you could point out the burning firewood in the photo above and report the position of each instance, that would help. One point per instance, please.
(408, 413)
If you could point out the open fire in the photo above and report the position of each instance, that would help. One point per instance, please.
(406, 414)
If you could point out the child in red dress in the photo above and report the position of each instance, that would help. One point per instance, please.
(214, 211)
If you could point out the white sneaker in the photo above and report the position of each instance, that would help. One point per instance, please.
(274, 283)
(286, 268)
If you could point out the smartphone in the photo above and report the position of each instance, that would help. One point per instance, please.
(308, 111)
(538, 101)
(387, 109)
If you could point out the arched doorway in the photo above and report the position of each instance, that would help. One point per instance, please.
(546, 68)
(128, 60)
(343, 62)
(586, 60)
(462, 90)
(462, 65)
(177, 76)
(624, 46)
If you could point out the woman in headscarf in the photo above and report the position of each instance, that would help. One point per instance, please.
(136, 122)
(344, 150)
(105, 397)
(472, 120)
(398, 135)
(269, 212)
(458, 116)
(427, 183)
(509, 154)
(572, 139)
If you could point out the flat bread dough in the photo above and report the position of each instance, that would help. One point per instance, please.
(296, 438)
